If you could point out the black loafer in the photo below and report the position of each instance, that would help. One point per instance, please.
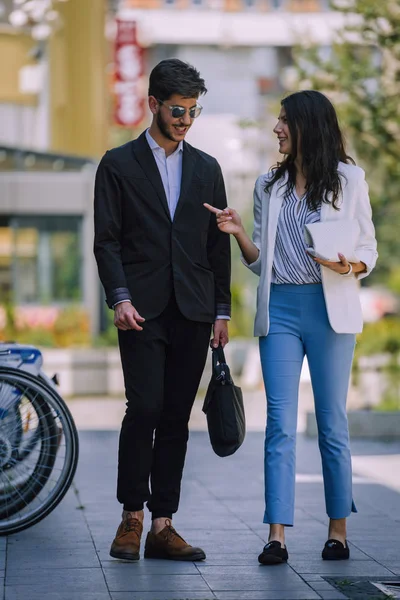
(334, 550)
(273, 554)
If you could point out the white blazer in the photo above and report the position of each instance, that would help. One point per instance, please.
(341, 293)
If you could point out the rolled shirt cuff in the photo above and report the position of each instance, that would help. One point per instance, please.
(224, 310)
(121, 301)
(118, 295)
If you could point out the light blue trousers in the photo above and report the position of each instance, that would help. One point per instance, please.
(299, 326)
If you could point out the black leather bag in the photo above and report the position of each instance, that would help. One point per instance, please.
(223, 406)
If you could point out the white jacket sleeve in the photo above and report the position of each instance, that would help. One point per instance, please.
(366, 247)
(257, 210)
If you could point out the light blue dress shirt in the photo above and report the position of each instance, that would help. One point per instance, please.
(170, 168)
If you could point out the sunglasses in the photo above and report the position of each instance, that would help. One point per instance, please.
(178, 111)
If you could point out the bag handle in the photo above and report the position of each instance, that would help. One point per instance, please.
(220, 368)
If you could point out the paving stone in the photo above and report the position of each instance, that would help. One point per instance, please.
(219, 511)
(310, 577)
(231, 559)
(63, 558)
(394, 567)
(20, 593)
(155, 567)
(270, 595)
(251, 582)
(279, 573)
(335, 595)
(321, 586)
(54, 580)
(178, 595)
(341, 567)
(130, 581)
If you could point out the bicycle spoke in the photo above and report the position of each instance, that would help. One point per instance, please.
(39, 454)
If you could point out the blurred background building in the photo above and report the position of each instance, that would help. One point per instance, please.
(58, 116)
(74, 79)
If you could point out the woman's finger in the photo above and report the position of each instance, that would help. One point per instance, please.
(212, 209)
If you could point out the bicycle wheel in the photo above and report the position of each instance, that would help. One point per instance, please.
(38, 450)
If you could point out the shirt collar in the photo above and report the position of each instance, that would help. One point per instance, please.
(154, 146)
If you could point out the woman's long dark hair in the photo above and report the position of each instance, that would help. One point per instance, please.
(315, 133)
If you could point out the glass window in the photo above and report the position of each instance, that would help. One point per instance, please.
(6, 243)
(46, 259)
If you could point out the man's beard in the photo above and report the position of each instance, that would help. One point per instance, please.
(163, 128)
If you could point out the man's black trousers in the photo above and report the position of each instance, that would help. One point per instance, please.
(162, 368)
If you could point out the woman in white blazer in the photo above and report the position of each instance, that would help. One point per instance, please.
(306, 306)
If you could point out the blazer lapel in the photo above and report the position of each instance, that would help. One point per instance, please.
(328, 213)
(275, 204)
(188, 164)
(145, 158)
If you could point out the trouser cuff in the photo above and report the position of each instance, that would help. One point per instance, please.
(133, 507)
(159, 514)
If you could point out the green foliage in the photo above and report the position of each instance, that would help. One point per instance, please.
(362, 76)
(71, 328)
(381, 337)
(108, 337)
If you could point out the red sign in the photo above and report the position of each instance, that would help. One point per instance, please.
(129, 68)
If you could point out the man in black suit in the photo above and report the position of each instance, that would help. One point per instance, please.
(165, 268)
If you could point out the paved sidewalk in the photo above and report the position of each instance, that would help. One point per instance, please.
(65, 557)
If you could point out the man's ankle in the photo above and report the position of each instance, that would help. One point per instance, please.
(136, 514)
(158, 524)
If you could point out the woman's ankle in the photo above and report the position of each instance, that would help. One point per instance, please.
(337, 530)
(277, 533)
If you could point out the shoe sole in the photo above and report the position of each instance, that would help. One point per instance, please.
(272, 560)
(125, 555)
(162, 556)
(335, 557)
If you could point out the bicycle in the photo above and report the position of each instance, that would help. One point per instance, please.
(39, 444)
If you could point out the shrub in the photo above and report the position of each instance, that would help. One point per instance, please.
(45, 326)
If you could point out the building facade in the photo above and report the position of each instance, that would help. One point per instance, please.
(244, 50)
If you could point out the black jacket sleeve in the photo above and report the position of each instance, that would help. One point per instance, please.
(107, 232)
(219, 250)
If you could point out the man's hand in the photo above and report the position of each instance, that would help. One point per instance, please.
(220, 333)
(127, 317)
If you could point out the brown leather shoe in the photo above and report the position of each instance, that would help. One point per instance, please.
(168, 544)
(126, 543)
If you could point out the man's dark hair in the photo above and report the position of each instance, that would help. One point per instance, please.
(173, 76)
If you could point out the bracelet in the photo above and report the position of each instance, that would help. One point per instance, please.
(349, 272)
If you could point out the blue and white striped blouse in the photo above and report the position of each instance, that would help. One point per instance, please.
(291, 262)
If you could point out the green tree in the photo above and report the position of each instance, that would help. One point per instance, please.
(361, 73)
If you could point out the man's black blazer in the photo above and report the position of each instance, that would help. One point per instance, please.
(141, 253)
